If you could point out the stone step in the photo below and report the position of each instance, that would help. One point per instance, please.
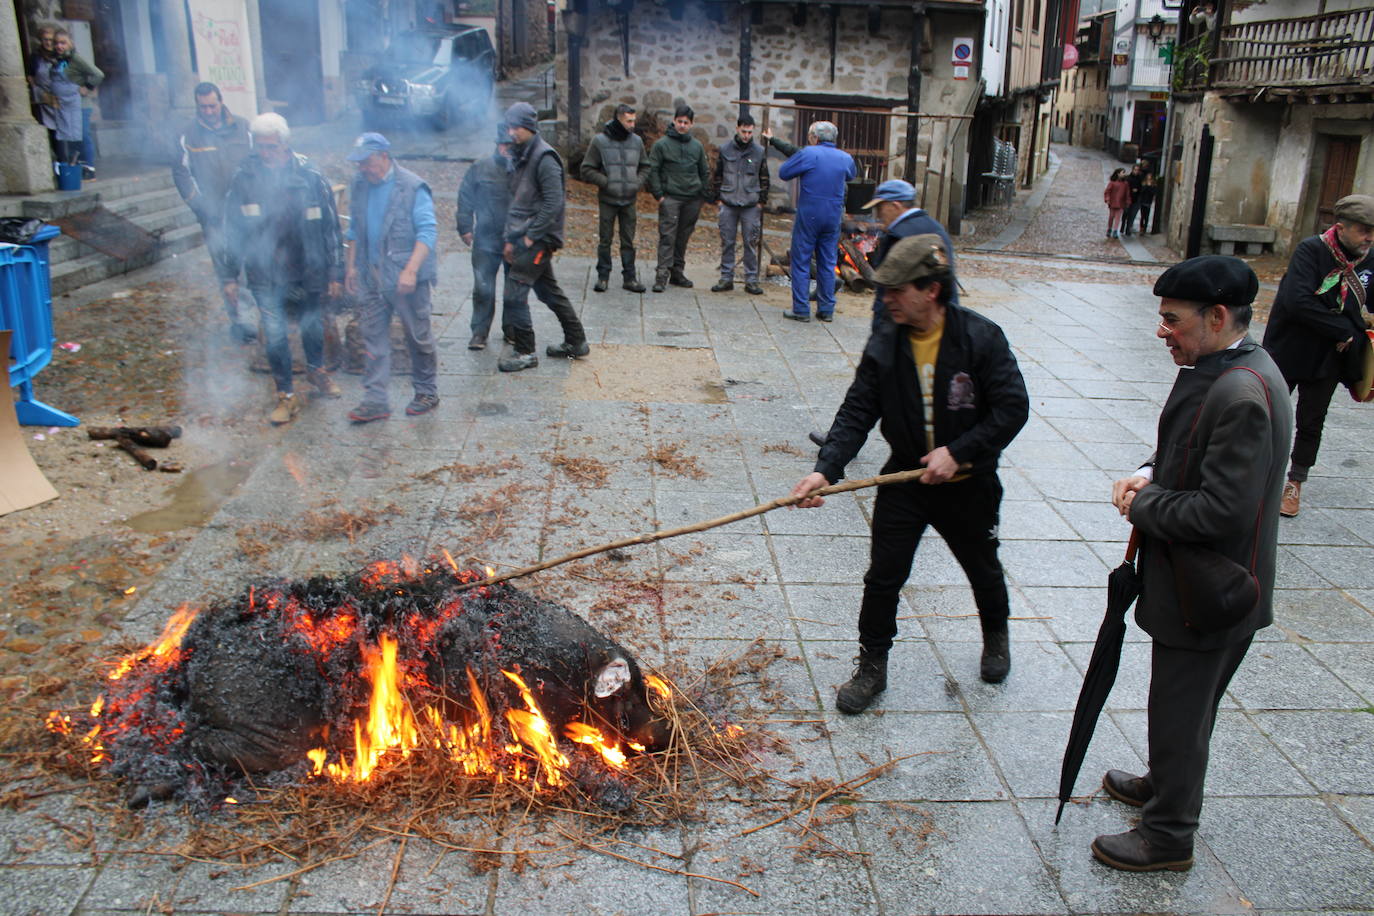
(73, 273)
(151, 201)
(160, 221)
(118, 188)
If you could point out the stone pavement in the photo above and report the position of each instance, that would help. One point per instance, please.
(966, 825)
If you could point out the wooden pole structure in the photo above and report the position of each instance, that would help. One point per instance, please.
(780, 502)
(763, 212)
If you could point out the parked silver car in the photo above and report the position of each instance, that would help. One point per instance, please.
(443, 75)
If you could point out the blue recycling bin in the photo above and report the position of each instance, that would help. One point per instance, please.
(26, 310)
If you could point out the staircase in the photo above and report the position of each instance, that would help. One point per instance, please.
(149, 200)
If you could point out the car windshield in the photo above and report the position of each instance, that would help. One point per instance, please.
(415, 48)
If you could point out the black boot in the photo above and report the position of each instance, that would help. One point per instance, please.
(996, 662)
(869, 680)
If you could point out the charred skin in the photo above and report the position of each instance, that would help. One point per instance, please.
(562, 659)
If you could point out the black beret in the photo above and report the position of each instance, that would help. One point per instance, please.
(1211, 280)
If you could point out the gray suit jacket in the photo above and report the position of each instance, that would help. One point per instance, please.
(1218, 480)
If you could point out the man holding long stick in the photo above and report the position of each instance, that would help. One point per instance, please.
(943, 386)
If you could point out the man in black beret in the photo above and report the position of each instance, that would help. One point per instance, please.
(1213, 484)
(1316, 330)
(943, 386)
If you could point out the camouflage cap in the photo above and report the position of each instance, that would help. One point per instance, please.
(913, 258)
(1357, 208)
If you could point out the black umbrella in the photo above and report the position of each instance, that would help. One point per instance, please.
(1123, 587)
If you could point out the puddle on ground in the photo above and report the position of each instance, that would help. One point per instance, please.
(196, 499)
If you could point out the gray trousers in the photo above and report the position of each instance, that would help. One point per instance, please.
(375, 321)
(677, 218)
(608, 215)
(750, 220)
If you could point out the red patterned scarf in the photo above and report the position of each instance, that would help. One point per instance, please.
(1344, 272)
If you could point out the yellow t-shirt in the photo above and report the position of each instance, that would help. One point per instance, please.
(924, 350)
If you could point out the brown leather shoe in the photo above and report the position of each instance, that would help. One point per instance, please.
(1127, 788)
(325, 385)
(285, 411)
(1292, 499)
(1130, 851)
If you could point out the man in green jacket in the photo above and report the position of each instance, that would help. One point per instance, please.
(677, 178)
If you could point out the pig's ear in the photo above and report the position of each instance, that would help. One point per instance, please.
(611, 678)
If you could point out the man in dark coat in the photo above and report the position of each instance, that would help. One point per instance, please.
(824, 171)
(615, 162)
(1214, 483)
(281, 227)
(208, 152)
(534, 231)
(392, 267)
(1316, 330)
(677, 179)
(944, 387)
(483, 199)
(740, 185)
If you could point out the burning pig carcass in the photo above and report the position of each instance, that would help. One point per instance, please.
(338, 677)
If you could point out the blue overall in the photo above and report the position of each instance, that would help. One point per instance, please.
(823, 171)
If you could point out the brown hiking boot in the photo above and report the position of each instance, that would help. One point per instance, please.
(324, 384)
(286, 409)
(1292, 499)
(869, 680)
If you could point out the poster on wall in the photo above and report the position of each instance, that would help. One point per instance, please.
(224, 54)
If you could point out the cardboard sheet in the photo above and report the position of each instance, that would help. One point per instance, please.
(22, 484)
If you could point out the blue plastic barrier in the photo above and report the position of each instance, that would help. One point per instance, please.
(26, 309)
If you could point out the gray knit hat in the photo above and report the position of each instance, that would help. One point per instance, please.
(522, 114)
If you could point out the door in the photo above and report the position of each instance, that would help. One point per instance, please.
(291, 64)
(1338, 178)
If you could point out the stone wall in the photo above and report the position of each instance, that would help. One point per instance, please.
(1267, 164)
(696, 60)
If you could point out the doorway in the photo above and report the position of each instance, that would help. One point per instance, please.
(292, 70)
(1337, 179)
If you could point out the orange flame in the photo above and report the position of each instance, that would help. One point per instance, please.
(583, 733)
(390, 725)
(658, 686)
(534, 732)
(166, 649)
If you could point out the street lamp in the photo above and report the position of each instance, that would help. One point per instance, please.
(1155, 28)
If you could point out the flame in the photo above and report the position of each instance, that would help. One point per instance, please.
(658, 686)
(583, 733)
(533, 731)
(166, 649)
(490, 572)
(390, 724)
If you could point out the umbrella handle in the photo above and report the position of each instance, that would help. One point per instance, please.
(1132, 545)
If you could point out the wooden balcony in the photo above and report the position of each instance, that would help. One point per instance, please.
(1333, 52)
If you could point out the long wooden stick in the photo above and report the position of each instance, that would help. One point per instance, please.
(780, 502)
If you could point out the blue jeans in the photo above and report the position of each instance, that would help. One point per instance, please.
(819, 234)
(272, 306)
(485, 265)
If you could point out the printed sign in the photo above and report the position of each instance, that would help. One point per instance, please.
(962, 51)
(223, 52)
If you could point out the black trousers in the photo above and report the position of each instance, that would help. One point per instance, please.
(533, 270)
(1185, 690)
(608, 217)
(966, 515)
(1314, 398)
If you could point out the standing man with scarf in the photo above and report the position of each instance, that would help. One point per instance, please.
(1316, 330)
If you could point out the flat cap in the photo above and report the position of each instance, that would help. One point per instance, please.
(1211, 279)
(913, 258)
(1357, 208)
(891, 190)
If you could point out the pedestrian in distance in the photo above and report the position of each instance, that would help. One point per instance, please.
(1146, 201)
(1316, 329)
(1206, 502)
(943, 387)
(1134, 180)
(1117, 197)
(678, 177)
(208, 152)
(533, 232)
(616, 163)
(483, 199)
(87, 77)
(57, 88)
(281, 228)
(739, 185)
(392, 267)
(824, 172)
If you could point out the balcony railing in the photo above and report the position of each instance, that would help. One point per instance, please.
(1331, 50)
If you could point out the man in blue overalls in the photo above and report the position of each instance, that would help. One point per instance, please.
(824, 171)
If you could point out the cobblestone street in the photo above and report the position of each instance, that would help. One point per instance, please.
(963, 819)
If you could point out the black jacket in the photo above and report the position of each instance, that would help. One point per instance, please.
(980, 398)
(616, 163)
(1219, 470)
(536, 194)
(205, 161)
(280, 226)
(483, 199)
(1305, 327)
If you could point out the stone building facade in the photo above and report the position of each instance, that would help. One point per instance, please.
(714, 54)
